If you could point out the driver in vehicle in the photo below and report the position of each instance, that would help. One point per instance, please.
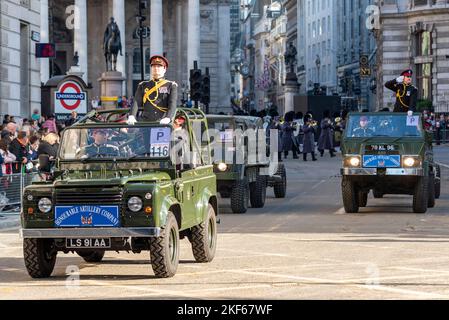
(99, 148)
(363, 130)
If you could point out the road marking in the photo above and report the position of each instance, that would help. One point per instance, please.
(317, 184)
(340, 211)
(323, 281)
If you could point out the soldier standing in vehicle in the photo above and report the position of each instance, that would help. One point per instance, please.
(406, 93)
(157, 97)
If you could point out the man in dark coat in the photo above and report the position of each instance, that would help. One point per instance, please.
(406, 93)
(288, 142)
(18, 147)
(309, 138)
(326, 140)
(157, 97)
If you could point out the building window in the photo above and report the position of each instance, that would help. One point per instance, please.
(136, 61)
(424, 78)
(424, 44)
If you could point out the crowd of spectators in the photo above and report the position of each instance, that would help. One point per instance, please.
(24, 142)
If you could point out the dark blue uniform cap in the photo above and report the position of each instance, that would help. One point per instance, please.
(407, 73)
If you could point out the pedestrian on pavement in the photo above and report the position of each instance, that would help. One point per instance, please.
(19, 148)
(50, 124)
(309, 137)
(73, 118)
(406, 93)
(47, 151)
(326, 139)
(157, 97)
(8, 158)
(9, 132)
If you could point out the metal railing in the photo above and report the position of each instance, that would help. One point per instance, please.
(11, 190)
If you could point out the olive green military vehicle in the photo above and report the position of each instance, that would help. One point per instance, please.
(389, 153)
(117, 187)
(241, 165)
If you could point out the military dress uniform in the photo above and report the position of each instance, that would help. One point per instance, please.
(156, 98)
(406, 95)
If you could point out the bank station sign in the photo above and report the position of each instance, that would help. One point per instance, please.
(70, 97)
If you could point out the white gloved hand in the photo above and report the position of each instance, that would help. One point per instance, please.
(131, 120)
(400, 79)
(165, 121)
(410, 113)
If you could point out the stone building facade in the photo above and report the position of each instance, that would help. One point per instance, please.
(19, 68)
(414, 34)
(184, 30)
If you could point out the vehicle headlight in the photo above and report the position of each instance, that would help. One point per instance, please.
(135, 204)
(353, 161)
(410, 161)
(222, 166)
(44, 205)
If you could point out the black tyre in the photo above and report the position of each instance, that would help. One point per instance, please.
(91, 255)
(258, 192)
(280, 189)
(164, 250)
(377, 194)
(39, 256)
(431, 197)
(438, 182)
(204, 238)
(362, 199)
(350, 196)
(240, 197)
(421, 195)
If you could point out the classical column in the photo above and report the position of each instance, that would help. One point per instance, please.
(179, 52)
(193, 34)
(45, 63)
(80, 32)
(156, 36)
(224, 54)
(118, 12)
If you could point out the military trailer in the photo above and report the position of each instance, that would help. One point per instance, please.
(243, 180)
(116, 187)
(389, 153)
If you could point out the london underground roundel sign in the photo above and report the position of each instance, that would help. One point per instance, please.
(70, 97)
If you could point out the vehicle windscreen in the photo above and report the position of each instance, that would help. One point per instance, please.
(115, 143)
(391, 125)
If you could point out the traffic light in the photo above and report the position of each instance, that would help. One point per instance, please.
(205, 92)
(195, 84)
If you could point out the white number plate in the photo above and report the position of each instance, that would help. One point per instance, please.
(89, 243)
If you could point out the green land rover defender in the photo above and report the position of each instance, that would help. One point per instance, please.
(117, 187)
(389, 153)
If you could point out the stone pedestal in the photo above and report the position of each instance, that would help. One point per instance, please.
(291, 89)
(111, 85)
(75, 71)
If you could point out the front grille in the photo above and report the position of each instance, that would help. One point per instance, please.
(89, 196)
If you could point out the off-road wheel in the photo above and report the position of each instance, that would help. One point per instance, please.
(421, 195)
(377, 194)
(280, 189)
(164, 250)
(91, 255)
(431, 199)
(350, 196)
(39, 256)
(240, 197)
(437, 182)
(258, 192)
(362, 199)
(204, 238)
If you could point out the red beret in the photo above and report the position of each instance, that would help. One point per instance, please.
(407, 73)
(159, 60)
